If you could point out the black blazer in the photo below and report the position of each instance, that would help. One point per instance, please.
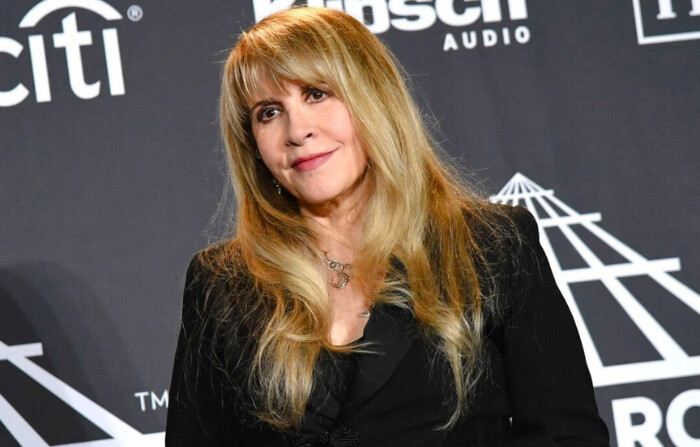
(536, 390)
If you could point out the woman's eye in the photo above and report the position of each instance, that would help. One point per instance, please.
(316, 94)
(267, 113)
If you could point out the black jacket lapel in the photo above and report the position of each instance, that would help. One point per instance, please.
(323, 407)
(391, 331)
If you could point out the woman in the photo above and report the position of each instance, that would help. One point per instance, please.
(367, 298)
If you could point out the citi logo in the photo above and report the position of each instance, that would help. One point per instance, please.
(70, 39)
(663, 21)
(418, 15)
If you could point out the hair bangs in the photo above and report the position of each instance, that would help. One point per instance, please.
(268, 58)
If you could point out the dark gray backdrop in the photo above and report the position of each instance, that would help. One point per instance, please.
(104, 200)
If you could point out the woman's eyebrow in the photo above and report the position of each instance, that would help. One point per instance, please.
(263, 102)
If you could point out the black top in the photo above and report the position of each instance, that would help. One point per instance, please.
(536, 390)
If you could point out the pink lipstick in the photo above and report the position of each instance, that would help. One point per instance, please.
(311, 162)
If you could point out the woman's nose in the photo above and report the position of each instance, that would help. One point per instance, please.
(301, 127)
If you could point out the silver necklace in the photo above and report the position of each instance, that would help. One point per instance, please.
(341, 278)
(366, 313)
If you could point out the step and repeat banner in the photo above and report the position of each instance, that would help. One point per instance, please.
(111, 167)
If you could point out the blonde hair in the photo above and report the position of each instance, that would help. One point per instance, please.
(417, 211)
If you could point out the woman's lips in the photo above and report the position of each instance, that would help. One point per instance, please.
(311, 162)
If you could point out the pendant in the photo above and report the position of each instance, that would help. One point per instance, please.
(340, 280)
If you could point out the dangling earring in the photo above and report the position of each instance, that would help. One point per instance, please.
(277, 185)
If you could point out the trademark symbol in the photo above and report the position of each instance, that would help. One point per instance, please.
(134, 13)
(156, 402)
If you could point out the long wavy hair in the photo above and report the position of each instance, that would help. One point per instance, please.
(417, 212)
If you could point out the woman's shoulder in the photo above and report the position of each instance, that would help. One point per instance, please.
(507, 238)
(221, 258)
(523, 220)
(500, 226)
(217, 270)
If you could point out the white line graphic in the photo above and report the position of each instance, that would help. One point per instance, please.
(676, 362)
(18, 427)
(121, 433)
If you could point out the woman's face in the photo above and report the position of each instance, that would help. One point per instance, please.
(307, 140)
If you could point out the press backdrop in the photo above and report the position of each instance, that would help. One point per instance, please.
(111, 170)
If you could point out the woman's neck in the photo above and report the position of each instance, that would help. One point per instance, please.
(338, 234)
(337, 225)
